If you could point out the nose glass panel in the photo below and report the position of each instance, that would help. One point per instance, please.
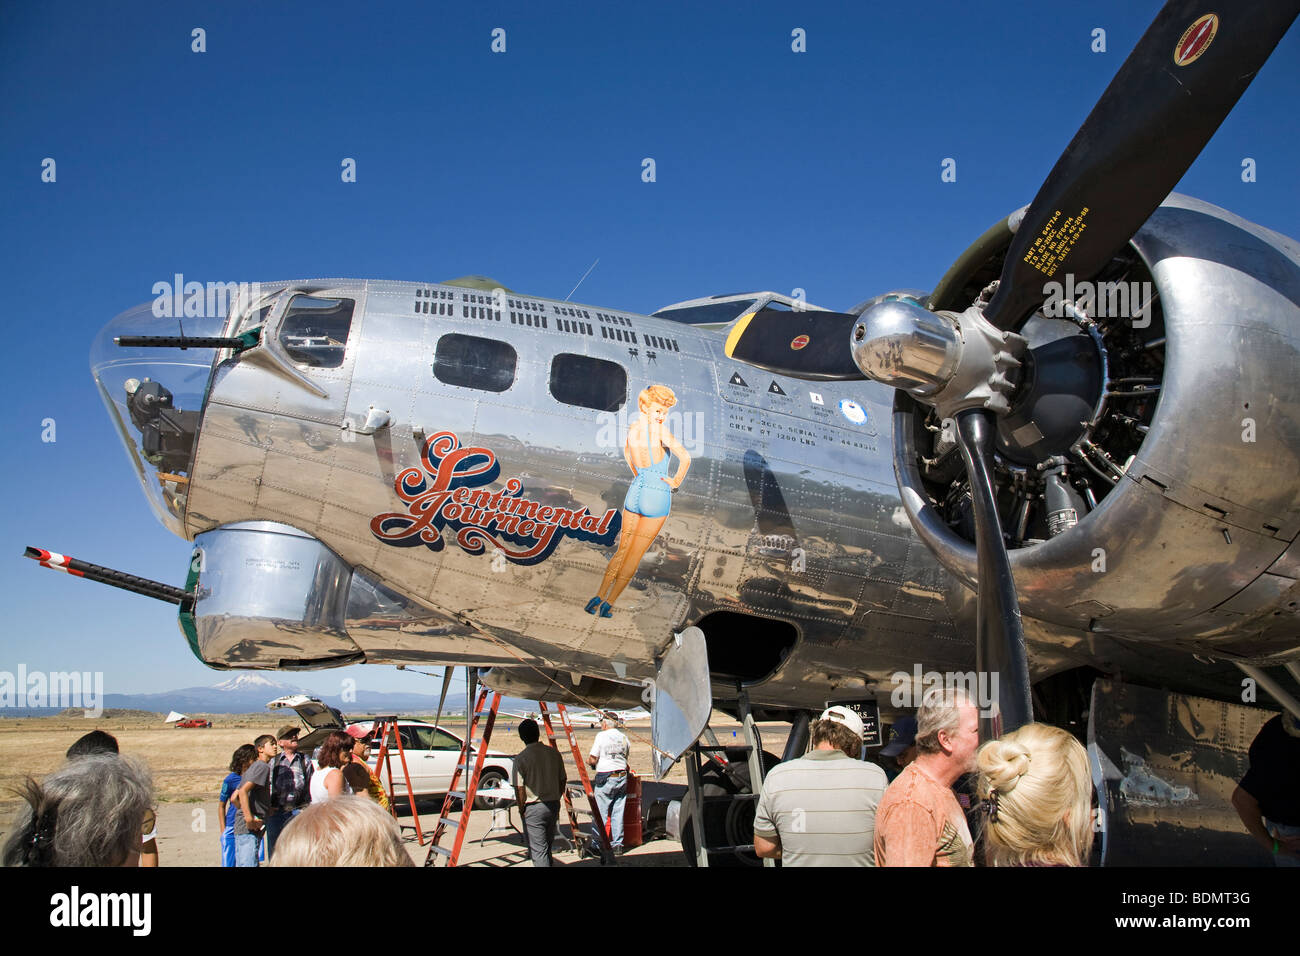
(154, 398)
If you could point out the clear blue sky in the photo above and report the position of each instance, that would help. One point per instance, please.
(775, 169)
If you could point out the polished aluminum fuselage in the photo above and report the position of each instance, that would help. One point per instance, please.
(790, 510)
(867, 600)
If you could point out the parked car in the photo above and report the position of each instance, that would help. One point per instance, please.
(194, 722)
(432, 753)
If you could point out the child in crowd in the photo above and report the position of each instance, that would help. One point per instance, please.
(239, 761)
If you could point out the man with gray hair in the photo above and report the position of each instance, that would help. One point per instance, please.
(820, 810)
(919, 822)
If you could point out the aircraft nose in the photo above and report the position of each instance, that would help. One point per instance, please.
(153, 397)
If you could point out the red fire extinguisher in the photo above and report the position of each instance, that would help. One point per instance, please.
(632, 812)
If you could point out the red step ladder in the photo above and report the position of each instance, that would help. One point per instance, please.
(466, 796)
(461, 824)
(597, 822)
(380, 731)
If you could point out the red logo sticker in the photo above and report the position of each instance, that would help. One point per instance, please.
(799, 342)
(1196, 39)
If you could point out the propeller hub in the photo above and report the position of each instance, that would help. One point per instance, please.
(898, 343)
(948, 360)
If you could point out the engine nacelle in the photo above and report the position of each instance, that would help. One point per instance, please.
(268, 595)
(1175, 516)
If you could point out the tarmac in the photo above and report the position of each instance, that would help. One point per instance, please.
(184, 840)
(495, 838)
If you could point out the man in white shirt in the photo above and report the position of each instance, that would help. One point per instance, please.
(609, 759)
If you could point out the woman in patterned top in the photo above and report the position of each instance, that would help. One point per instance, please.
(358, 774)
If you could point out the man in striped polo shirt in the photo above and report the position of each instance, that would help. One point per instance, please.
(820, 810)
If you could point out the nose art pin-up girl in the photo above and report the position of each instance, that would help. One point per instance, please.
(649, 497)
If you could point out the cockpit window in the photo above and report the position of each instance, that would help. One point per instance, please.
(256, 317)
(588, 382)
(473, 362)
(315, 331)
(710, 313)
(254, 311)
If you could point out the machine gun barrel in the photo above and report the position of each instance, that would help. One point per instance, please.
(118, 579)
(182, 341)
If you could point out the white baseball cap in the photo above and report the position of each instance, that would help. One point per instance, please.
(843, 715)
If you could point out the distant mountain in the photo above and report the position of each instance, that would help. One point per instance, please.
(240, 694)
(255, 682)
(249, 694)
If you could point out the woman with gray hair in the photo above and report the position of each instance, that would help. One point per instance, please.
(86, 813)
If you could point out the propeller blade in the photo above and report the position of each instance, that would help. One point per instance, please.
(809, 344)
(1162, 107)
(999, 635)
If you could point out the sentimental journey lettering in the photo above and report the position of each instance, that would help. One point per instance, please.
(448, 496)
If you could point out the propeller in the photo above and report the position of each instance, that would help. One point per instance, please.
(1172, 93)
(1181, 80)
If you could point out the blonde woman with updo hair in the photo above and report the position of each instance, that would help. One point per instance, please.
(1037, 793)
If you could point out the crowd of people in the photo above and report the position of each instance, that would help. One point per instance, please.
(830, 808)
(937, 798)
(1025, 799)
(275, 806)
(283, 808)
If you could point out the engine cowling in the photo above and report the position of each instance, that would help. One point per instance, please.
(1147, 478)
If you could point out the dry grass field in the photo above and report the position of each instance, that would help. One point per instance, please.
(185, 763)
(188, 766)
